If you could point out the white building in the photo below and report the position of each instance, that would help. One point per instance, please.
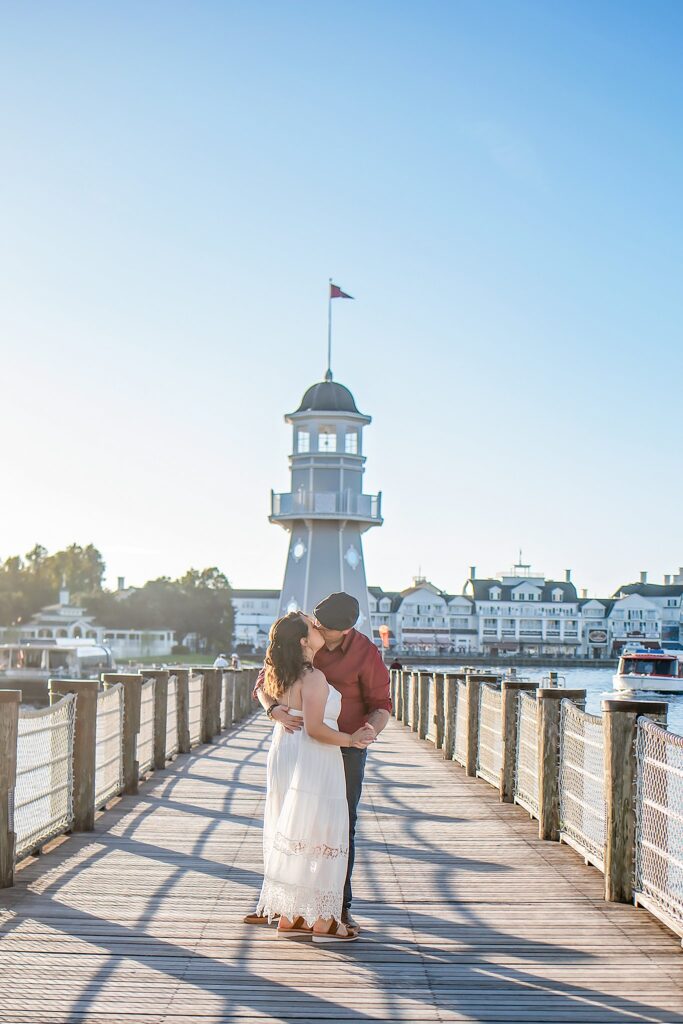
(66, 621)
(520, 612)
(523, 613)
(255, 612)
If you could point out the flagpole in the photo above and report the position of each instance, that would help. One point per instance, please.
(328, 375)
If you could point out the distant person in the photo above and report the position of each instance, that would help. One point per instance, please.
(396, 666)
(235, 663)
(221, 662)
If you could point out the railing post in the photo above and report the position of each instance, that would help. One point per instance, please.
(9, 731)
(398, 706)
(208, 714)
(85, 727)
(227, 690)
(415, 702)
(509, 707)
(405, 702)
(423, 684)
(450, 702)
(473, 686)
(438, 709)
(549, 700)
(132, 695)
(183, 698)
(619, 723)
(160, 676)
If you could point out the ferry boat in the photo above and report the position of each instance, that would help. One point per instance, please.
(27, 667)
(650, 669)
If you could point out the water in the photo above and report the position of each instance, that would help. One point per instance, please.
(598, 684)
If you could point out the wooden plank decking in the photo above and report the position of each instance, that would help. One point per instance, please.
(467, 915)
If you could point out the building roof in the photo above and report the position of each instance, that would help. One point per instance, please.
(328, 396)
(607, 602)
(480, 589)
(263, 595)
(650, 589)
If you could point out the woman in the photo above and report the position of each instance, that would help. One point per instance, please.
(306, 822)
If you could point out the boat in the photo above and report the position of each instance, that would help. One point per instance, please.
(652, 669)
(29, 666)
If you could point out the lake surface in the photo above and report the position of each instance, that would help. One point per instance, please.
(598, 685)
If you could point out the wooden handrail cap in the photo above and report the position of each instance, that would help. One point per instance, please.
(639, 707)
(10, 696)
(519, 684)
(74, 685)
(559, 693)
(157, 673)
(121, 677)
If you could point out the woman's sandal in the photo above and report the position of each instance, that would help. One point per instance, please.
(332, 935)
(299, 927)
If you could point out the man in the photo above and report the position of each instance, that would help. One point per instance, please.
(354, 666)
(221, 662)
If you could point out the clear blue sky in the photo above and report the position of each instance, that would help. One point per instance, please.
(499, 185)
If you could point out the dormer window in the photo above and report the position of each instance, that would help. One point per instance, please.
(557, 594)
(385, 604)
(494, 593)
(351, 442)
(327, 440)
(303, 441)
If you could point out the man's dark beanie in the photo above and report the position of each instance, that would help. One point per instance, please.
(338, 611)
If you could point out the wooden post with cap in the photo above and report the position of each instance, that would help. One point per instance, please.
(620, 729)
(9, 731)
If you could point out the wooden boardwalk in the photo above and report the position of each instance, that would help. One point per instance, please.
(467, 916)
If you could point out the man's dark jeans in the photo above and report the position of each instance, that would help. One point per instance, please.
(354, 769)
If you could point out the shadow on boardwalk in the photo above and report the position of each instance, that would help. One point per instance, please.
(467, 916)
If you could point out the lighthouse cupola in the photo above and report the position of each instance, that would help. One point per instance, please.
(325, 510)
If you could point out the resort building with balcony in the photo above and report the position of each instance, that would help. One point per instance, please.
(522, 612)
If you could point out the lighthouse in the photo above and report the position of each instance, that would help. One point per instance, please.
(325, 510)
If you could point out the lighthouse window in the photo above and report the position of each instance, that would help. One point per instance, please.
(352, 442)
(303, 441)
(327, 441)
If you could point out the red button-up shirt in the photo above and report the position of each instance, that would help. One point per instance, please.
(356, 669)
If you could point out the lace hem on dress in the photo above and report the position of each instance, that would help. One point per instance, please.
(298, 847)
(294, 901)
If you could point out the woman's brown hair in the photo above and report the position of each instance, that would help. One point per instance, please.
(285, 658)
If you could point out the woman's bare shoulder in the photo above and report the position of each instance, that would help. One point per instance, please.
(313, 679)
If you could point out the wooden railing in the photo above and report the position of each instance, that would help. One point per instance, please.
(611, 787)
(60, 765)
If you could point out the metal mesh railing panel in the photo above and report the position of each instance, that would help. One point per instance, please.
(109, 744)
(194, 707)
(659, 819)
(526, 755)
(460, 754)
(490, 746)
(582, 785)
(172, 717)
(431, 710)
(224, 691)
(43, 796)
(146, 734)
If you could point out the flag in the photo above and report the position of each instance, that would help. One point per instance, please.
(337, 293)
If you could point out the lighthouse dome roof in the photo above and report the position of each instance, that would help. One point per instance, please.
(328, 396)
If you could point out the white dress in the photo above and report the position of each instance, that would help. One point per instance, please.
(306, 824)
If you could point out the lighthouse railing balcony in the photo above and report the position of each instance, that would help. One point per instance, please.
(322, 504)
